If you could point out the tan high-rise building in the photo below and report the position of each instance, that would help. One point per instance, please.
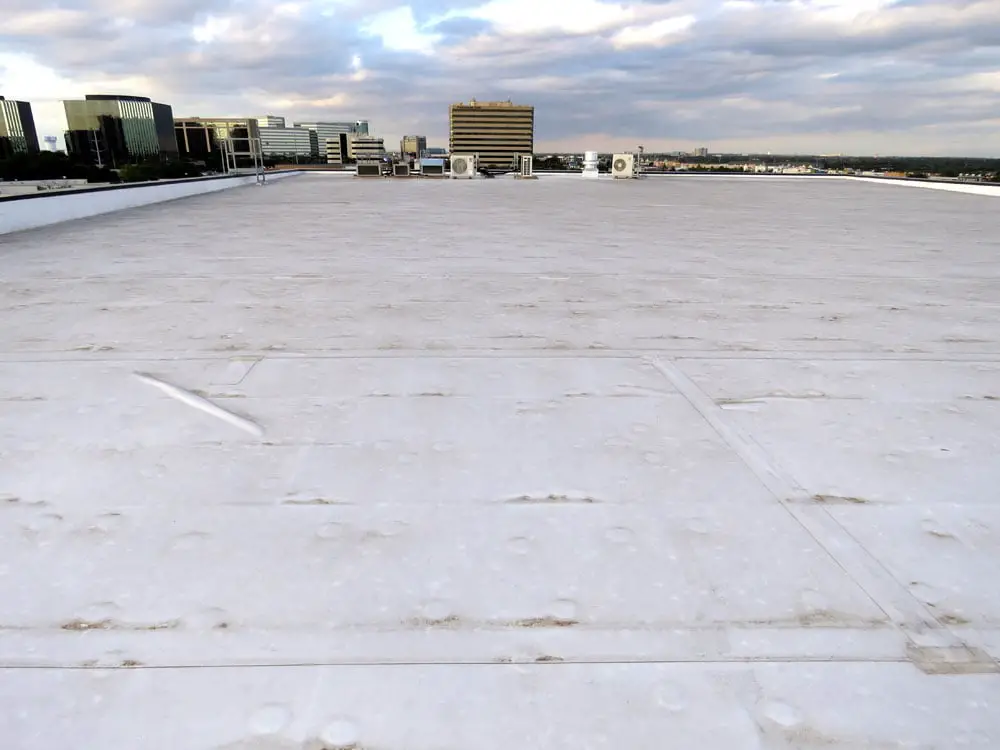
(413, 145)
(497, 131)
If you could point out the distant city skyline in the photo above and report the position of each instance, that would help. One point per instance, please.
(842, 76)
(51, 122)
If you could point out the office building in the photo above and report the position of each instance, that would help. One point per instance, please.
(413, 146)
(361, 127)
(337, 149)
(366, 147)
(112, 130)
(204, 138)
(17, 128)
(270, 121)
(50, 143)
(326, 130)
(700, 152)
(497, 131)
(292, 143)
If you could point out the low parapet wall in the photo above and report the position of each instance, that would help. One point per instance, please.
(20, 212)
(973, 188)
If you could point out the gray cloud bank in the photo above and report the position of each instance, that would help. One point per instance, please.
(832, 75)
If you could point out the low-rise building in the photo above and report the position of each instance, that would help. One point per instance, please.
(289, 143)
(325, 130)
(337, 149)
(270, 121)
(367, 147)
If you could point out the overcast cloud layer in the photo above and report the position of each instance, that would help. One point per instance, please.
(820, 76)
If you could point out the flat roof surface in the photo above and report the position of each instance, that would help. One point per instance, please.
(413, 465)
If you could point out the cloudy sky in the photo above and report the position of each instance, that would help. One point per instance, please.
(819, 76)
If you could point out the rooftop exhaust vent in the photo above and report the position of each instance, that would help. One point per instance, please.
(527, 170)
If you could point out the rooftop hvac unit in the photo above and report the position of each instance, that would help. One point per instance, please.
(370, 170)
(623, 166)
(432, 170)
(400, 170)
(463, 166)
(527, 166)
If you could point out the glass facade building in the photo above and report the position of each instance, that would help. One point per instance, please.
(163, 121)
(17, 128)
(113, 130)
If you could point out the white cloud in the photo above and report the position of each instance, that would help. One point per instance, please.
(23, 77)
(842, 10)
(399, 32)
(656, 34)
(330, 102)
(699, 72)
(984, 82)
(539, 84)
(531, 17)
(291, 10)
(44, 22)
(210, 29)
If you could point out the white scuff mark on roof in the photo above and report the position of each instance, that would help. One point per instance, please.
(202, 404)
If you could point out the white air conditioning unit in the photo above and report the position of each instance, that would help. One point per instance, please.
(527, 165)
(623, 166)
(463, 166)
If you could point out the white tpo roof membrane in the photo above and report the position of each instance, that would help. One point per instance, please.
(422, 465)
